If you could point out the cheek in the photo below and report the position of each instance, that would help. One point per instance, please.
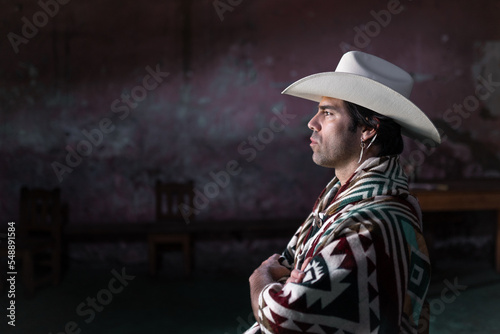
(350, 140)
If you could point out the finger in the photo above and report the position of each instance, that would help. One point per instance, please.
(272, 258)
(306, 262)
(294, 279)
(275, 257)
(296, 276)
(282, 271)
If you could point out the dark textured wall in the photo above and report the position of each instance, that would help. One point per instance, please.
(80, 109)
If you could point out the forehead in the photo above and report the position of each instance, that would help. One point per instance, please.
(331, 102)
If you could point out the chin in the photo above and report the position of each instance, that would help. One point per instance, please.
(322, 162)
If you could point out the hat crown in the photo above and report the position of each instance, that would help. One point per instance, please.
(377, 69)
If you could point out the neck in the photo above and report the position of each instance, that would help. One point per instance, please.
(344, 173)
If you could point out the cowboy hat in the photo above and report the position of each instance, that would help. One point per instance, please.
(373, 83)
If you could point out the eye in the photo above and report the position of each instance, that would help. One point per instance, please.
(327, 113)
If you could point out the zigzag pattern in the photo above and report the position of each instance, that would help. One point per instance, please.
(370, 269)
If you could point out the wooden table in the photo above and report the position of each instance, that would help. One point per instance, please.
(138, 230)
(464, 196)
(178, 232)
(469, 196)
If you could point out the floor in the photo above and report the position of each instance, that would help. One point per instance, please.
(127, 301)
(464, 297)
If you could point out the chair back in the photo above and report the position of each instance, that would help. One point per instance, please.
(174, 201)
(40, 212)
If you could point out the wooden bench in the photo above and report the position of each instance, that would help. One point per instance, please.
(477, 195)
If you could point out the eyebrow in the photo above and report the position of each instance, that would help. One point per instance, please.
(328, 106)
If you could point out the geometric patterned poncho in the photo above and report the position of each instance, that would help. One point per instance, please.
(370, 268)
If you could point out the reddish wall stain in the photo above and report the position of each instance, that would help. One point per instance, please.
(224, 81)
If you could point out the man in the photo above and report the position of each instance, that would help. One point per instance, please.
(359, 263)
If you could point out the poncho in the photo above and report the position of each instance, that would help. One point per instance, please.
(370, 268)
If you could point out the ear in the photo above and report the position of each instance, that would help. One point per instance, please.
(367, 133)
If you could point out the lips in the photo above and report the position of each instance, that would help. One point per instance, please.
(313, 141)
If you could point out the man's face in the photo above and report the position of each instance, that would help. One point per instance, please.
(333, 142)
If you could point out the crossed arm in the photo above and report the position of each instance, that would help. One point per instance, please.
(270, 271)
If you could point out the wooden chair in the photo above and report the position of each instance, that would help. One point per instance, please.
(171, 199)
(38, 238)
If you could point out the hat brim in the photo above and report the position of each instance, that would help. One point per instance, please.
(369, 94)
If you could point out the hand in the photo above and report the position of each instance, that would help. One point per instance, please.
(270, 271)
(297, 276)
(271, 268)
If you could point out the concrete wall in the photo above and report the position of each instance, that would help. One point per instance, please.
(83, 68)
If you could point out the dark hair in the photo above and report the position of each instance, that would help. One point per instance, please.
(388, 132)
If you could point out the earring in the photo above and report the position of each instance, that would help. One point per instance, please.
(373, 139)
(363, 145)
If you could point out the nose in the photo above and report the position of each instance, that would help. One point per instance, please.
(313, 124)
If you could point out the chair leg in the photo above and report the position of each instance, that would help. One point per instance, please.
(187, 256)
(57, 267)
(152, 257)
(183, 240)
(28, 272)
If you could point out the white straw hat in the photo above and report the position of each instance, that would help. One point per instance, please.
(373, 83)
